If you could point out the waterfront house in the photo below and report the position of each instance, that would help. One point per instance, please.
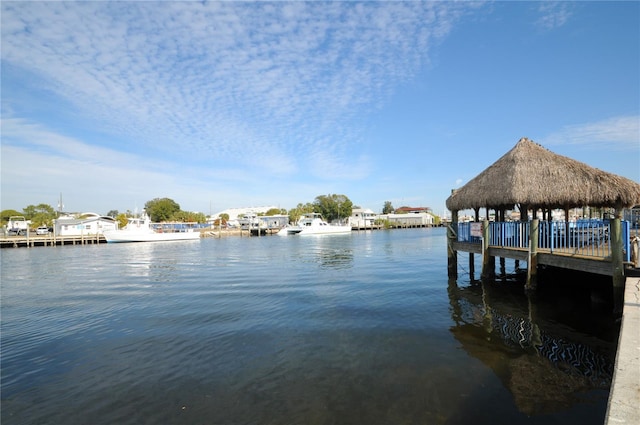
(235, 214)
(362, 218)
(411, 217)
(413, 210)
(277, 221)
(84, 225)
(254, 222)
(419, 219)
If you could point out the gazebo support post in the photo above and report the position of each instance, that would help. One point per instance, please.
(472, 267)
(532, 264)
(616, 262)
(472, 260)
(524, 216)
(488, 266)
(503, 266)
(567, 235)
(491, 272)
(452, 254)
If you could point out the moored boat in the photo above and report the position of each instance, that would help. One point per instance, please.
(313, 224)
(141, 230)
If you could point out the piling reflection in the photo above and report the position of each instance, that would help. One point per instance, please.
(335, 259)
(330, 252)
(148, 261)
(544, 369)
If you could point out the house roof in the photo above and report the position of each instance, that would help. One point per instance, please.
(529, 174)
(362, 211)
(73, 221)
(233, 213)
(413, 209)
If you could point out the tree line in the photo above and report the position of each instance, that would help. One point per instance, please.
(40, 215)
(158, 209)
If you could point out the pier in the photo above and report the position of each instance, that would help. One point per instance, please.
(49, 240)
(534, 181)
(587, 245)
(624, 397)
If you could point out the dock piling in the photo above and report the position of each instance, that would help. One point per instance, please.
(452, 254)
(617, 263)
(532, 263)
(488, 262)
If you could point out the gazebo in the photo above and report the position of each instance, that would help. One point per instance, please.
(531, 178)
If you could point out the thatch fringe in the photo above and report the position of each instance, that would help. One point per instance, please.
(531, 175)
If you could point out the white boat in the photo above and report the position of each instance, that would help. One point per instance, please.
(313, 224)
(141, 230)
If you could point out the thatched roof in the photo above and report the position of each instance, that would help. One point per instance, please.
(531, 175)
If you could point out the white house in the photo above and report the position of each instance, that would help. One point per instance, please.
(422, 219)
(89, 224)
(235, 213)
(252, 221)
(362, 218)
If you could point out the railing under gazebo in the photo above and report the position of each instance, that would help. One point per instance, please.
(589, 237)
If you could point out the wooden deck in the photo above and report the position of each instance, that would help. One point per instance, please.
(566, 259)
(586, 245)
(49, 240)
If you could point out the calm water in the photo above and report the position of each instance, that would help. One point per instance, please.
(353, 329)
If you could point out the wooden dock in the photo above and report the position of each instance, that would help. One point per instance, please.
(545, 257)
(49, 240)
(544, 244)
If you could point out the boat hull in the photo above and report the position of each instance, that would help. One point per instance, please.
(313, 230)
(313, 224)
(325, 230)
(289, 230)
(120, 236)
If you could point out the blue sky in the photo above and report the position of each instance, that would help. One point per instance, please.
(236, 104)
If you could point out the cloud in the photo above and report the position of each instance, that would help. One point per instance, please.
(31, 136)
(38, 162)
(553, 14)
(222, 78)
(620, 133)
(113, 101)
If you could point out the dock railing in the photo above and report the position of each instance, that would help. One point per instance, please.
(510, 234)
(589, 237)
(464, 234)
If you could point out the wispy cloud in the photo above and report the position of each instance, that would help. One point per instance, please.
(34, 157)
(554, 14)
(621, 133)
(225, 79)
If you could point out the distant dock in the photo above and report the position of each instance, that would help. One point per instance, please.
(49, 240)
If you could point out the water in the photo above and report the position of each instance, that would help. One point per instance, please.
(353, 329)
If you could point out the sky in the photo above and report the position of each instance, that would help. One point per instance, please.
(219, 105)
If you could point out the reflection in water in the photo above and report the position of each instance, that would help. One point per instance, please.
(517, 346)
(361, 329)
(329, 251)
(152, 261)
(335, 258)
